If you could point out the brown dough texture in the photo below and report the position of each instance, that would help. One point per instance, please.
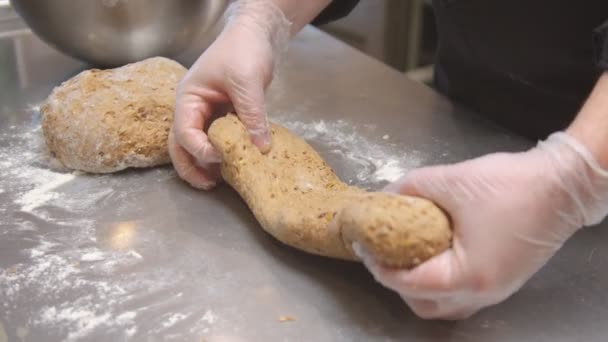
(103, 121)
(298, 199)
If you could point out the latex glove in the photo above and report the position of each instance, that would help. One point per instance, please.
(232, 73)
(510, 213)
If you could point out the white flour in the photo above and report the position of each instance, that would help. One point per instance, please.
(172, 319)
(368, 161)
(93, 256)
(45, 183)
(75, 285)
(63, 264)
(390, 170)
(55, 272)
(209, 317)
(24, 170)
(84, 319)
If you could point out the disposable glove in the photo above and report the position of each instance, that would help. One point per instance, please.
(232, 74)
(510, 213)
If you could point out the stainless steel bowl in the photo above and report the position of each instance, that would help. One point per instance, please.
(115, 32)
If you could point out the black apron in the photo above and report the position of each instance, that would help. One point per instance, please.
(526, 64)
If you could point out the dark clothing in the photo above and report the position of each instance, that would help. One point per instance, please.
(335, 10)
(527, 65)
(600, 46)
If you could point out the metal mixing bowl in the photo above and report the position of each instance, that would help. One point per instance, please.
(115, 32)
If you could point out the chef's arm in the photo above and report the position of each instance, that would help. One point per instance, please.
(233, 73)
(591, 124)
(510, 213)
(301, 12)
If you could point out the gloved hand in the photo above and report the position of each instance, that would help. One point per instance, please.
(232, 74)
(510, 213)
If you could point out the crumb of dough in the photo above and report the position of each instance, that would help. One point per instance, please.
(284, 319)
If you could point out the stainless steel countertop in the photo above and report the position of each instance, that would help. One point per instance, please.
(141, 256)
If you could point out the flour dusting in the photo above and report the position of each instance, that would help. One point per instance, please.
(43, 191)
(84, 320)
(24, 170)
(390, 170)
(369, 162)
(67, 283)
(93, 262)
(209, 317)
(172, 319)
(93, 256)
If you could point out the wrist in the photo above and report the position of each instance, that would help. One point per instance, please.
(301, 12)
(580, 178)
(264, 18)
(595, 143)
(591, 125)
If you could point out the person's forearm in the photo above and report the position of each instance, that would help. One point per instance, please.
(591, 124)
(301, 12)
(277, 20)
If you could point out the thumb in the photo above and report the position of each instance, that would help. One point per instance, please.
(435, 183)
(439, 275)
(247, 96)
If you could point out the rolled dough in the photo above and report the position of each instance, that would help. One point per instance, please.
(298, 199)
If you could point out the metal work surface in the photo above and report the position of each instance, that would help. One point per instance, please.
(139, 255)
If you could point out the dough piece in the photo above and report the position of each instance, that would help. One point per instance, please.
(107, 120)
(295, 196)
(400, 231)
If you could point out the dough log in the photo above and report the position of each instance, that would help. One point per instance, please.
(299, 200)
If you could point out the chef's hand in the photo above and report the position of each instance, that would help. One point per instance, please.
(232, 74)
(510, 213)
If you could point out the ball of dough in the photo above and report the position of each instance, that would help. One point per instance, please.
(104, 121)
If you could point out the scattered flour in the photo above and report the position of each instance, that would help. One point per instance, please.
(172, 319)
(24, 170)
(93, 256)
(74, 287)
(390, 170)
(126, 317)
(84, 320)
(135, 254)
(370, 161)
(45, 182)
(209, 317)
(62, 280)
(85, 304)
(43, 248)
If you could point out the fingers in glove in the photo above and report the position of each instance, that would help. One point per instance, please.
(188, 170)
(438, 288)
(439, 184)
(190, 116)
(439, 276)
(439, 309)
(247, 96)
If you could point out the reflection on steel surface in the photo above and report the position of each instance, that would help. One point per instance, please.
(122, 235)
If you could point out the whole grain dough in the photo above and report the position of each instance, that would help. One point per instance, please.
(108, 120)
(298, 199)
